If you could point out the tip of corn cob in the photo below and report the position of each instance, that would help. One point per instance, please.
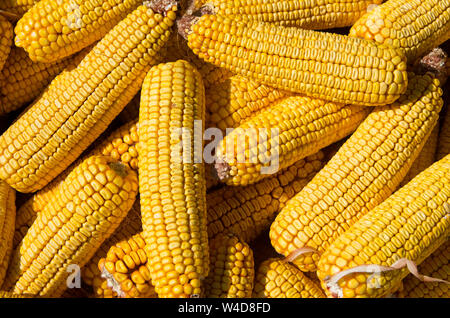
(191, 17)
(119, 168)
(9, 15)
(161, 6)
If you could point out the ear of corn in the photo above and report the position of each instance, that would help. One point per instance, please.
(7, 218)
(263, 249)
(232, 268)
(121, 145)
(276, 278)
(415, 26)
(289, 130)
(22, 80)
(79, 103)
(6, 31)
(237, 99)
(125, 267)
(412, 223)
(436, 265)
(246, 211)
(75, 293)
(329, 66)
(443, 146)
(313, 14)
(25, 216)
(17, 7)
(363, 173)
(172, 179)
(426, 157)
(90, 204)
(131, 225)
(52, 30)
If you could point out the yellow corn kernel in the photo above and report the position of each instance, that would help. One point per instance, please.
(130, 226)
(236, 100)
(131, 111)
(17, 7)
(289, 130)
(22, 80)
(6, 31)
(232, 268)
(5, 294)
(172, 179)
(79, 103)
(363, 173)
(436, 265)
(133, 280)
(414, 26)
(426, 157)
(314, 14)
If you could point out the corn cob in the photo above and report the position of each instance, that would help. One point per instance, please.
(436, 265)
(414, 26)
(7, 217)
(177, 48)
(172, 179)
(263, 249)
(80, 103)
(426, 157)
(232, 268)
(130, 226)
(247, 211)
(443, 147)
(232, 102)
(329, 66)
(92, 201)
(6, 31)
(276, 278)
(121, 145)
(126, 268)
(17, 7)
(75, 293)
(363, 173)
(22, 80)
(435, 61)
(52, 30)
(411, 224)
(303, 14)
(25, 216)
(289, 130)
